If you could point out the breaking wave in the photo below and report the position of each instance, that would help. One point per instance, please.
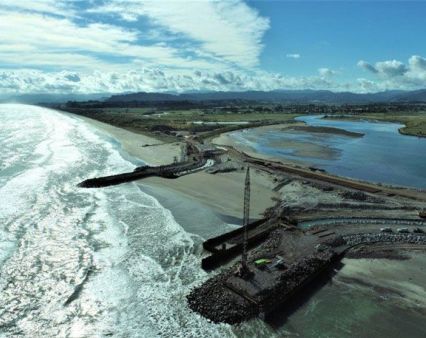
(86, 262)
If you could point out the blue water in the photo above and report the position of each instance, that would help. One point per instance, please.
(144, 262)
(381, 155)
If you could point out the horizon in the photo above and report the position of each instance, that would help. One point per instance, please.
(34, 98)
(212, 168)
(73, 47)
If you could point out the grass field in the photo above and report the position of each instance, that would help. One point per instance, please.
(168, 122)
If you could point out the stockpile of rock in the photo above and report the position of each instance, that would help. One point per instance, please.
(410, 238)
(336, 241)
(363, 206)
(268, 247)
(215, 302)
(296, 276)
(354, 195)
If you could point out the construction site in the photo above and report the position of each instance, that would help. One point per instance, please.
(267, 262)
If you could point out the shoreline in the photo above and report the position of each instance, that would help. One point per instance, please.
(309, 153)
(226, 140)
(304, 150)
(221, 192)
(406, 129)
(146, 148)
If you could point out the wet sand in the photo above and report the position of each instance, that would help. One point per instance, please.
(378, 298)
(221, 192)
(400, 281)
(150, 150)
(295, 148)
(368, 297)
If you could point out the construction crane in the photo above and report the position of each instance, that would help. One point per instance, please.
(244, 271)
(183, 153)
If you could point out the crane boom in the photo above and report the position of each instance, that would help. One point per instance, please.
(246, 218)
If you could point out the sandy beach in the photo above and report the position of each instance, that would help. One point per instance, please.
(394, 279)
(226, 140)
(223, 192)
(150, 150)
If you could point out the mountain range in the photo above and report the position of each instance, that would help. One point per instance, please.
(278, 96)
(285, 96)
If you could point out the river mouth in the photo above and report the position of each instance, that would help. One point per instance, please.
(368, 151)
(145, 258)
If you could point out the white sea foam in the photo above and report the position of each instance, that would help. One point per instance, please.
(52, 233)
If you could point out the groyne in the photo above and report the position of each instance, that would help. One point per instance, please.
(229, 245)
(170, 171)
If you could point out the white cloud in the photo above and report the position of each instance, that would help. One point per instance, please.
(153, 45)
(151, 80)
(293, 56)
(388, 68)
(417, 63)
(229, 29)
(31, 39)
(391, 68)
(52, 7)
(394, 74)
(326, 72)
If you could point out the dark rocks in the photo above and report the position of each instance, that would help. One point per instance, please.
(354, 195)
(347, 205)
(268, 247)
(167, 171)
(369, 252)
(214, 301)
(335, 241)
(410, 238)
(294, 279)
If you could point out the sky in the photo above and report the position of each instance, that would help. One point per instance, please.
(119, 46)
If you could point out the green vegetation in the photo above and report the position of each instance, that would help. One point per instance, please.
(415, 123)
(172, 120)
(169, 124)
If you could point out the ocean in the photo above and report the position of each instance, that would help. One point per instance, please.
(115, 262)
(141, 262)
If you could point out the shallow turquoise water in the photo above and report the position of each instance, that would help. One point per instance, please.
(381, 155)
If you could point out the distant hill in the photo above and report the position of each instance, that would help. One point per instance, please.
(287, 96)
(283, 96)
(414, 96)
(52, 98)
